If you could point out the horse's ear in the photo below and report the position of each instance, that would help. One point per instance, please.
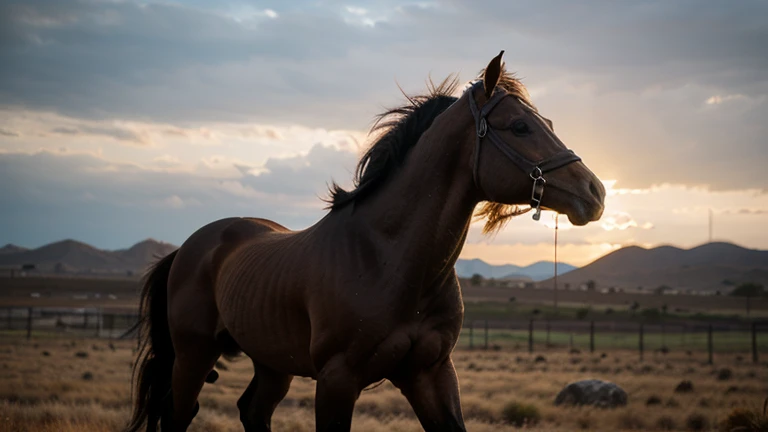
(492, 74)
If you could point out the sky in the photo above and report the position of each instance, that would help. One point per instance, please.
(125, 120)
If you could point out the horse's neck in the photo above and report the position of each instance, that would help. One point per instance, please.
(423, 212)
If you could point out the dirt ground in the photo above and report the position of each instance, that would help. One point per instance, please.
(84, 385)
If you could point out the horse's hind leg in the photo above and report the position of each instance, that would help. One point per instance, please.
(190, 369)
(264, 393)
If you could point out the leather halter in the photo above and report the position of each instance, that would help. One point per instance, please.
(535, 169)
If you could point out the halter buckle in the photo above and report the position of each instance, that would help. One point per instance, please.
(538, 192)
(482, 128)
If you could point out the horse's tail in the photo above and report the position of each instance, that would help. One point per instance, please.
(152, 369)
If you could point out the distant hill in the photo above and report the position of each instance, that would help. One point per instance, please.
(709, 267)
(71, 256)
(536, 272)
(11, 248)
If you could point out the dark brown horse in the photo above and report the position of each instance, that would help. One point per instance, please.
(369, 292)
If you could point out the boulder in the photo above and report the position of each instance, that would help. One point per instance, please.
(594, 392)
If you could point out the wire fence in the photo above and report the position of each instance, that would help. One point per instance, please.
(67, 322)
(532, 335)
(702, 340)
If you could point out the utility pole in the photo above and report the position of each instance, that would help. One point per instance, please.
(555, 290)
(710, 225)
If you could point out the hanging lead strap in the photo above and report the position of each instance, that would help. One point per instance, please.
(538, 192)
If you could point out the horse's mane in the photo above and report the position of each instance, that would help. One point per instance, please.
(400, 128)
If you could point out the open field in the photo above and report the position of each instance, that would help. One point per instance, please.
(83, 385)
(57, 291)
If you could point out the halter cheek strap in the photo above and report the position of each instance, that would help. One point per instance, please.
(535, 169)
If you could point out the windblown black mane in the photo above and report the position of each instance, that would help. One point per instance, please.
(400, 129)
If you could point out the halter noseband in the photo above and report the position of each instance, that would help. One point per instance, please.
(535, 170)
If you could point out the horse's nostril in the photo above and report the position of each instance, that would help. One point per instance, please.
(595, 191)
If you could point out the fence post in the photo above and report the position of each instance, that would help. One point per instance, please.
(471, 341)
(486, 335)
(530, 336)
(592, 337)
(754, 342)
(111, 325)
(709, 342)
(99, 322)
(641, 342)
(29, 323)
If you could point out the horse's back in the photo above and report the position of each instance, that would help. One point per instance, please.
(193, 275)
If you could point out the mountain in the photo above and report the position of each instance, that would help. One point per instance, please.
(11, 248)
(71, 256)
(138, 255)
(536, 272)
(709, 267)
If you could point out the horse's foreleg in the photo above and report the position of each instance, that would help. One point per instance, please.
(262, 396)
(434, 395)
(335, 396)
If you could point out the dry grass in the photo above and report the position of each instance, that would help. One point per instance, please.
(51, 393)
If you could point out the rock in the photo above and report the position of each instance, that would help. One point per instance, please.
(597, 393)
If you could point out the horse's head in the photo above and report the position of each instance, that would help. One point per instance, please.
(518, 159)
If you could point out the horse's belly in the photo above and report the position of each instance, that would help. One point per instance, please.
(272, 330)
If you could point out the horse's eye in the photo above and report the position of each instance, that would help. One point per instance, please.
(520, 128)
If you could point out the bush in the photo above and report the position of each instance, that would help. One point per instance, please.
(520, 414)
(653, 400)
(684, 387)
(81, 354)
(741, 419)
(666, 423)
(724, 374)
(748, 290)
(582, 313)
(696, 422)
(88, 376)
(631, 421)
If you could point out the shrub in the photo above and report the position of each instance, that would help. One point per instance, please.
(46, 354)
(520, 414)
(88, 376)
(684, 387)
(724, 374)
(540, 359)
(741, 419)
(81, 354)
(696, 422)
(666, 423)
(653, 400)
(631, 421)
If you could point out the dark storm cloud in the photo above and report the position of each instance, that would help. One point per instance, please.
(318, 64)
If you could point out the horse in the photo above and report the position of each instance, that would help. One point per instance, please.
(369, 292)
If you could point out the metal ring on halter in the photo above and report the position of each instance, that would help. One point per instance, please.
(537, 174)
(483, 128)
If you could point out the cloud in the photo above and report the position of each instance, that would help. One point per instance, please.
(117, 133)
(621, 221)
(64, 195)
(626, 83)
(8, 133)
